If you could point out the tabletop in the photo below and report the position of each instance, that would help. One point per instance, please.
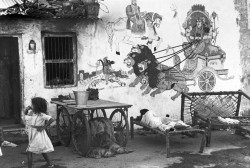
(92, 104)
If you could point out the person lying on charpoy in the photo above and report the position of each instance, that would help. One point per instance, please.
(150, 118)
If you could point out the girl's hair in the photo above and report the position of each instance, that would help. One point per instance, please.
(39, 105)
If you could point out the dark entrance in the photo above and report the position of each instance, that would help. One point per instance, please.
(10, 110)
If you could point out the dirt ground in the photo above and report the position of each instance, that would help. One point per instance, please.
(227, 151)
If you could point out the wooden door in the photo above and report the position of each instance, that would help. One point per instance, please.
(9, 80)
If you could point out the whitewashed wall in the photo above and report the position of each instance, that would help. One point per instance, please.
(92, 45)
(228, 40)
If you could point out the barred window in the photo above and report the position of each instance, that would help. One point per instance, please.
(59, 59)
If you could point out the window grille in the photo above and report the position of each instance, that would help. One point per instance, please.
(59, 60)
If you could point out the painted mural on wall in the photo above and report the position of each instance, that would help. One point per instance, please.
(152, 74)
(203, 62)
(104, 76)
(137, 25)
(202, 27)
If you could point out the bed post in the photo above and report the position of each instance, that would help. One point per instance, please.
(131, 127)
(194, 118)
(203, 141)
(208, 132)
(182, 107)
(167, 143)
(238, 103)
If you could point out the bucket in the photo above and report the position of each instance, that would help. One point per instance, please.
(81, 97)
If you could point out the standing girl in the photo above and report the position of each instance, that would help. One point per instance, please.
(39, 142)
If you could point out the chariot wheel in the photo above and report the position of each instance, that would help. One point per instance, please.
(81, 136)
(63, 126)
(98, 113)
(206, 81)
(121, 126)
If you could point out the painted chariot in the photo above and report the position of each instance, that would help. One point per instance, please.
(205, 60)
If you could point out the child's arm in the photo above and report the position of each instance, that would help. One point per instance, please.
(41, 128)
(26, 111)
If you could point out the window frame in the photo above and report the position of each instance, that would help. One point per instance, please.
(74, 60)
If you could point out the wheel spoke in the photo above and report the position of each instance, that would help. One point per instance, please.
(210, 85)
(202, 81)
(203, 84)
(210, 75)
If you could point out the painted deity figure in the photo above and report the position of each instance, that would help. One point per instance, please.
(134, 16)
(200, 31)
(203, 32)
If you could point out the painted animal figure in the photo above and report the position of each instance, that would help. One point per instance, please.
(118, 33)
(154, 75)
(162, 81)
(106, 67)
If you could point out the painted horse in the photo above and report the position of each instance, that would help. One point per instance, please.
(145, 29)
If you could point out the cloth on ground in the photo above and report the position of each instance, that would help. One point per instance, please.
(9, 144)
(162, 123)
(103, 139)
(228, 120)
(39, 142)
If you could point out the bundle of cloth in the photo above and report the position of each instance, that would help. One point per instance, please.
(228, 120)
(103, 140)
(151, 119)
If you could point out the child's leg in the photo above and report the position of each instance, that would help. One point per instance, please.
(30, 158)
(45, 156)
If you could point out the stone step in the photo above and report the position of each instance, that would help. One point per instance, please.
(16, 134)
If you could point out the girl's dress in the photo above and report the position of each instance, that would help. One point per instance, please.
(39, 142)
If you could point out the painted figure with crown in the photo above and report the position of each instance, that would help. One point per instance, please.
(205, 58)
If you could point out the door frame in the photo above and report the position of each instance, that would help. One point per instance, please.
(21, 72)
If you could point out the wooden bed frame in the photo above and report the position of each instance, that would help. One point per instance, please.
(168, 133)
(189, 102)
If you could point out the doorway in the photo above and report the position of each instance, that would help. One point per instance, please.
(10, 93)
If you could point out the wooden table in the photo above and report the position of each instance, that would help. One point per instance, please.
(72, 121)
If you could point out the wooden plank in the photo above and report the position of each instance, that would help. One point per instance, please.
(213, 93)
(170, 132)
(94, 104)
